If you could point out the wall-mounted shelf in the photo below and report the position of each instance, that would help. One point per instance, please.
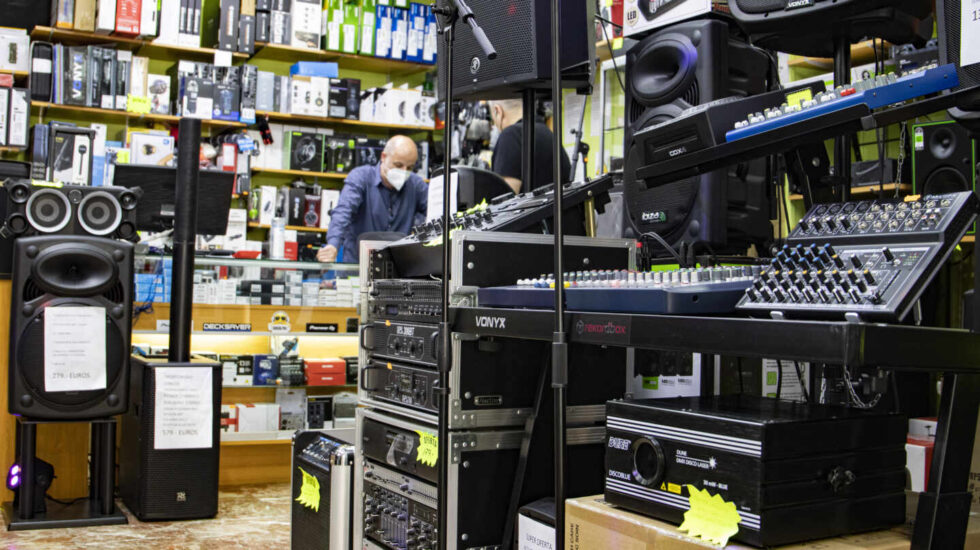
(258, 332)
(861, 53)
(113, 114)
(254, 225)
(6, 149)
(868, 190)
(277, 171)
(258, 316)
(17, 74)
(343, 60)
(71, 37)
(286, 117)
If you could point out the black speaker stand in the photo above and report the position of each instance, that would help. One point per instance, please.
(99, 508)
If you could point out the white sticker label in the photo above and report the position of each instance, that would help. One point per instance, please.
(222, 58)
(42, 66)
(970, 32)
(183, 417)
(124, 55)
(74, 349)
(534, 535)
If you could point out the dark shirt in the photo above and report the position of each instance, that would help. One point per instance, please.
(507, 154)
(365, 204)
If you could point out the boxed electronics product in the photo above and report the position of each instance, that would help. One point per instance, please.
(349, 28)
(265, 89)
(399, 32)
(345, 94)
(416, 33)
(365, 42)
(305, 24)
(237, 370)
(323, 69)
(331, 20)
(197, 97)
(151, 149)
(268, 196)
(70, 154)
(305, 151)
(328, 200)
(18, 117)
(367, 151)
(158, 86)
(228, 26)
(292, 408)
(293, 199)
(319, 413)
(382, 31)
(124, 63)
(338, 154)
(229, 418)
(640, 16)
(249, 91)
(265, 370)
(227, 94)
(258, 417)
(291, 372)
(15, 52)
(430, 41)
(128, 17)
(4, 110)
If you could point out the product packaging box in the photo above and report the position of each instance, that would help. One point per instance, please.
(292, 408)
(158, 86)
(399, 32)
(306, 16)
(265, 370)
(382, 31)
(305, 151)
(229, 418)
(258, 417)
(325, 69)
(416, 33)
(328, 200)
(367, 23)
(228, 25)
(148, 19)
(345, 98)
(237, 370)
(151, 149)
(267, 204)
(128, 17)
(350, 28)
(332, 19)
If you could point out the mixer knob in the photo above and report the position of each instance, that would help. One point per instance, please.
(766, 295)
(836, 277)
(845, 223)
(852, 275)
(752, 294)
(862, 286)
(779, 294)
(856, 261)
(824, 295)
(838, 261)
(888, 255)
(868, 277)
(809, 295)
(795, 295)
(856, 296)
(804, 225)
(831, 224)
(840, 296)
(874, 298)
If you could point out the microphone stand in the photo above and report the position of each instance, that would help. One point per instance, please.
(451, 12)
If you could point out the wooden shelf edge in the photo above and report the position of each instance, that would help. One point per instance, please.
(861, 53)
(284, 172)
(254, 225)
(330, 55)
(273, 115)
(52, 34)
(170, 119)
(17, 74)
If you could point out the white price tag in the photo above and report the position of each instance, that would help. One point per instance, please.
(183, 417)
(39, 65)
(74, 349)
(970, 32)
(222, 58)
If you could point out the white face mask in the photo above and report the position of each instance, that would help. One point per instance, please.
(494, 136)
(397, 177)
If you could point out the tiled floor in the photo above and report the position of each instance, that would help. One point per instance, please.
(251, 517)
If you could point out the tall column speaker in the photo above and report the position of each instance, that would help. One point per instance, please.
(676, 68)
(51, 274)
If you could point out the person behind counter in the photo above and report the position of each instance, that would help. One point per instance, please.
(385, 197)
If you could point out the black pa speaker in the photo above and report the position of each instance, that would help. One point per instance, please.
(58, 273)
(70, 210)
(944, 159)
(163, 483)
(807, 27)
(667, 72)
(520, 31)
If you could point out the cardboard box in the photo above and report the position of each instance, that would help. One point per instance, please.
(332, 365)
(591, 523)
(265, 370)
(305, 32)
(151, 149)
(258, 417)
(326, 379)
(399, 32)
(305, 151)
(228, 26)
(128, 17)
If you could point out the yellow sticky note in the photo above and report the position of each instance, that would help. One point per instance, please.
(797, 98)
(428, 448)
(617, 43)
(309, 493)
(710, 517)
(138, 104)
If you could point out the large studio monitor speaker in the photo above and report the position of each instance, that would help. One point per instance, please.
(158, 482)
(667, 72)
(944, 159)
(70, 210)
(807, 27)
(520, 31)
(65, 289)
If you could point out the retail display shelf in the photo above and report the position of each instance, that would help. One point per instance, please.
(254, 225)
(864, 191)
(17, 74)
(66, 36)
(343, 60)
(113, 114)
(281, 437)
(286, 117)
(225, 261)
(277, 171)
(260, 317)
(258, 332)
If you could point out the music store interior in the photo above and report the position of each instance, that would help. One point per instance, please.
(489, 274)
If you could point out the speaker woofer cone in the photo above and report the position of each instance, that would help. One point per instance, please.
(664, 70)
(48, 210)
(19, 192)
(943, 143)
(945, 179)
(99, 213)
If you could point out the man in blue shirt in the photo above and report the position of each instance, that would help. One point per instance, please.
(386, 197)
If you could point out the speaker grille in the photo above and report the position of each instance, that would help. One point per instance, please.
(116, 294)
(513, 37)
(31, 291)
(761, 6)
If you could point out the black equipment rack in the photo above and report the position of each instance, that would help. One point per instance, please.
(943, 511)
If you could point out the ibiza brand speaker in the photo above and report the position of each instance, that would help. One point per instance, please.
(70, 210)
(944, 159)
(949, 22)
(51, 275)
(520, 31)
(166, 483)
(806, 27)
(669, 71)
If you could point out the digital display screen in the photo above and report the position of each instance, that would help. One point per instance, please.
(391, 310)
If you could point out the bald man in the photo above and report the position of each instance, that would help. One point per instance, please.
(385, 197)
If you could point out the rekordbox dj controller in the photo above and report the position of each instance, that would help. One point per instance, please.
(866, 260)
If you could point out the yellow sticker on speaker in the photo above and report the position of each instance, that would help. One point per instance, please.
(617, 43)
(428, 448)
(309, 492)
(797, 98)
(674, 488)
(710, 517)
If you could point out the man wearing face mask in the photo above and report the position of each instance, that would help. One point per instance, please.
(506, 115)
(385, 197)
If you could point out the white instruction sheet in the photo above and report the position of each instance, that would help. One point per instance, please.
(74, 349)
(970, 32)
(183, 417)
